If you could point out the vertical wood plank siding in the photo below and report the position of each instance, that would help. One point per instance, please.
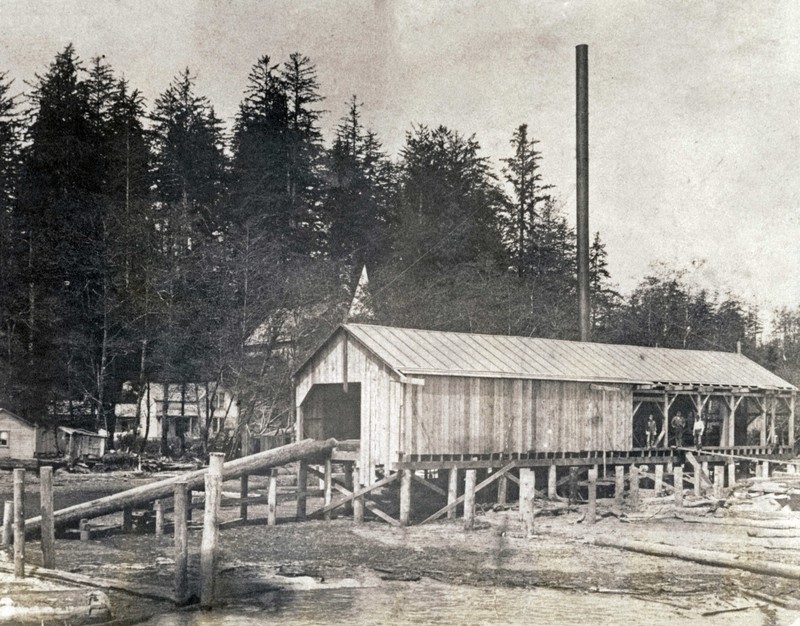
(458, 415)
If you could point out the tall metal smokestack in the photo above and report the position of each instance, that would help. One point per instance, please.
(582, 152)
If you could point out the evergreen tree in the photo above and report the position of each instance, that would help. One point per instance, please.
(604, 298)
(358, 203)
(61, 181)
(304, 177)
(12, 288)
(260, 152)
(521, 171)
(189, 164)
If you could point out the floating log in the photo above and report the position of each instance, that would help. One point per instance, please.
(706, 557)
(308, 448)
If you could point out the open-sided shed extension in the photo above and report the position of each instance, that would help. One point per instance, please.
(417, 398)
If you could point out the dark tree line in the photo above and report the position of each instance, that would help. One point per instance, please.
(145, 244)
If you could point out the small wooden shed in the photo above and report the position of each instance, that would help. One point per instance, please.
(414, 394)
(19, 438)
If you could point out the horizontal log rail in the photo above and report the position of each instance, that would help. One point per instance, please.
(306, 449)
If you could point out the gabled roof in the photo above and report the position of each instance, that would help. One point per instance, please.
(424, 352)
(17, 417)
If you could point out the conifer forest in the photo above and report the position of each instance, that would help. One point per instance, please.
(149, 242)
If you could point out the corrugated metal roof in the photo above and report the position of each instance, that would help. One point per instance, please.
(465, 354)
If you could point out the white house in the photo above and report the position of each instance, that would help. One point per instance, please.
(186, 410)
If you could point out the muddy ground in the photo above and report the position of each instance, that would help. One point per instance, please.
(495, 554)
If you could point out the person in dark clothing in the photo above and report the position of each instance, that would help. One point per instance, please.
(678, 423)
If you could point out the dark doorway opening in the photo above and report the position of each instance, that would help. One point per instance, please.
(329, 411)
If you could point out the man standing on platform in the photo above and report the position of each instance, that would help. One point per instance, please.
(698, 430)
(677, 424)
(652, 431)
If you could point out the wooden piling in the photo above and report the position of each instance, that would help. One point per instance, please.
(551, 482)
(659, 480)
(210, 539)
(765, 469)
(452, 492)
(619, 484)
(158, 507)
(634, 486)
(719, 471)
(405, 497)
(302, 487)
(358, 503)
(272, 498)
(327, 488)
(698, 482)
(527, 493)
(8, 522)
(469, 499)
(189, 499)
(591, 511)
(181, 539)
(48, 530)
(678, 482)
(731, 474)
(19, 523)
(573, 485)
(502, 490)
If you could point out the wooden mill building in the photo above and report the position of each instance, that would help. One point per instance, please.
(427, 399)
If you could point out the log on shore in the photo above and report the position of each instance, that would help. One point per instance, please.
(306, 449)
(773, 532)
(742, 522)
(705, 557)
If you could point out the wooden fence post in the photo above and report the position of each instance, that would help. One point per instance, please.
(272, 498)
(243, 491)
(19, 523)
(84, 530)
(48, 530)
(181, 543)
(8, 522)
(158, 507)
(327, 485)
(208, 544)
(127, 519)
(452, 491)
(619, 484)
(527, 492)
(302, 487)
(678, 482)
(469, 499)
(405, 497)
(591, 512)
(189, 500)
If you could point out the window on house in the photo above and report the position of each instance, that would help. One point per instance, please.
(4, 436)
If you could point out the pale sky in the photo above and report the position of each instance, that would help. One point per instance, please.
(694, 116)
